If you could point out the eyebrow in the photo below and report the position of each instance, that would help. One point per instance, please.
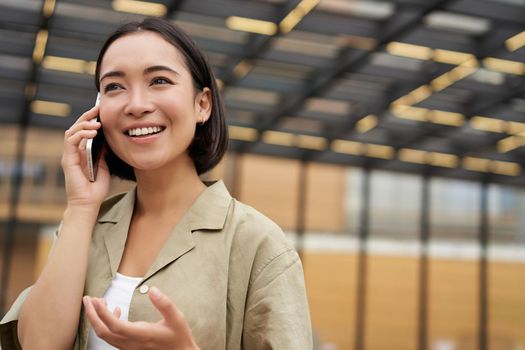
(149, 70)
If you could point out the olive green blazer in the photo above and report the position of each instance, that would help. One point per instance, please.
(228, 268)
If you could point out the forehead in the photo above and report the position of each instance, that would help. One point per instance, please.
(141, 49)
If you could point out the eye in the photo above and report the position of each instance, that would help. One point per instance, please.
(160, 81)
(111, 87)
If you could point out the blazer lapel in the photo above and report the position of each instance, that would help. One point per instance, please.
(207, 213)
(179, 243)
(116, 222)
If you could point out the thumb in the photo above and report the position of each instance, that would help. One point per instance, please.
(164, 305)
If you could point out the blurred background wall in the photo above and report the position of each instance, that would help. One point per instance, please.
(384, 137)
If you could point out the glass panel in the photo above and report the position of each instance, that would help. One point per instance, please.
(324, 202)
(395, 203)
(331, 297)
(454, 265)
(332, 211)
(271, 186)
(506, 268)
(42, 198)
(22, 266)
(392, 281)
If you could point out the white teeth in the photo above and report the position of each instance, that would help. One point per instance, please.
(144, 131)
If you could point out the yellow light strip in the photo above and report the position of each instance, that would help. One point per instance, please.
(347, 147)
(242, 68)
(412, 113)
(428, 115)
(488, 124)
(297, 14)
(423, 157)
(40, 46)
(419, 94)
(140, 7)
(443, 81)
(444, 160)
(219, 83)
(506, 168)
(379, 151)
(367, 123)
(311, 142)
(464, 70)
(504, 66)
(50, 108)
(49, 8)
(476, 164)
(278, 138)
(251, 25)
(403, 101)
(446, 118)
(66, 64)
(425, 53)
(515, 128)
(515, 42)
(452, 57)
(412, 156)
(90, 67)
(510, 143)
(408, 50)
(242, 133)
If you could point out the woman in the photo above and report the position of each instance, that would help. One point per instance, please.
(172, 264)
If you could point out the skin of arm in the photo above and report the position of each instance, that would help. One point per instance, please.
(50, 315)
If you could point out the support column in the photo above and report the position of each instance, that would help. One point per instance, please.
(362, 262)
(483, 268)
(424, 235)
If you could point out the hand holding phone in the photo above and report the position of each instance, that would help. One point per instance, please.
(94, 148)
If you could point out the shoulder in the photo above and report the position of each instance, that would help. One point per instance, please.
(259, 239)
(251, 224)
(113, 202)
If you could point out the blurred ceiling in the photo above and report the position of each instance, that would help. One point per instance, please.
(432, 87)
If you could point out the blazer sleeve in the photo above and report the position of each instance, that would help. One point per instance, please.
(9, 323)
(277, 315)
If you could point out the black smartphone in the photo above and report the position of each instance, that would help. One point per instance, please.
(94, 150)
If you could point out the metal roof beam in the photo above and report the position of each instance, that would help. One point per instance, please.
(256, 46)
(347, 60)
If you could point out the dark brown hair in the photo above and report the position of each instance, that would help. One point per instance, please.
(211, 139)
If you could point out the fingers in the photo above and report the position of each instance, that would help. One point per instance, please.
(98, 326)
(117, 312)
(166, 307)
(82, 123)
(75, 138)
(94, 309)
(77, 127)
(88, 115)
(110, 320)
(171, 332)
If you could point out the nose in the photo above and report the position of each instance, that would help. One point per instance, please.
(138, 104)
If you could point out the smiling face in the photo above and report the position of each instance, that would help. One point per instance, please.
(149, 107)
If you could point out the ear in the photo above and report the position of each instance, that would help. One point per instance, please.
(203, 105)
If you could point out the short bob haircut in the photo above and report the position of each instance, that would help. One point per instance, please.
(211, 138)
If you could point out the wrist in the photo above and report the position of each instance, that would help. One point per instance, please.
(84, 210)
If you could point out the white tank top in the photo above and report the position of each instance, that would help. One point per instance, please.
(118, 294)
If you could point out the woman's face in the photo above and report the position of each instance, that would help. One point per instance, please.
(149, 107)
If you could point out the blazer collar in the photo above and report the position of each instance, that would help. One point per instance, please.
(208, 212)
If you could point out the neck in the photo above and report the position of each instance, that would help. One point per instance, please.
(167, 191)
